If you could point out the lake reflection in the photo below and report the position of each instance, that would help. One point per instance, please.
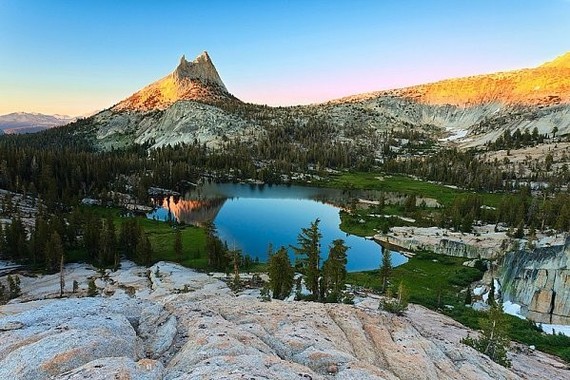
(252, 217)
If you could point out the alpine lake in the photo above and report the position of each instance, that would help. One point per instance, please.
(252, 217)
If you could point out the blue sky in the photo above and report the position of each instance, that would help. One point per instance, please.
(75, 57)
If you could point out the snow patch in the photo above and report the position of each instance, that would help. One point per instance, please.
(556, 329)
(512, 308)
(478, 291)
(456, 134)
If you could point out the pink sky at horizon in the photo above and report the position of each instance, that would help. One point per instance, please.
(307, 89)
(79, 57)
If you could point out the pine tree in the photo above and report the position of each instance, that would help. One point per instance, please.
(493, 340)
(468, 297)
(129, 236)
(91, 288)
(53, 252)
(410, 203)
(217, 256)
(235, 258)
(16, 240)
(3, 246)
(144, 251)
(91, 236)
(14, 286)
(38, 240)
(386, 268)
(61, 277)
(112, 244)
(308, 256)
(3, 295)
(397, 305)
(107, 254)
(334, 271)
(281, 274)
(491, 298)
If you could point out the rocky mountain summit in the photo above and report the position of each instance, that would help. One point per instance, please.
(197, 80)
(182, 107)
(169, 322)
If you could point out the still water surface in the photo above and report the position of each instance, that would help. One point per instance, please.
(251, 217)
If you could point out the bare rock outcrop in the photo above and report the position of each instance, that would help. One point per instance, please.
(168, 322)
(483, 243)
(120, 368)
(539, 280)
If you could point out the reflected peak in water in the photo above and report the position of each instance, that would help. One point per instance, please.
(188, 211)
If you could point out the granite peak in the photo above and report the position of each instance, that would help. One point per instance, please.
(196, 80)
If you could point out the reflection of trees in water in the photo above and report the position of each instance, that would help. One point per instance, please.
(192, 211)
(343, 198)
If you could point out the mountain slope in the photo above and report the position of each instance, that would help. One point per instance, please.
(478, 109)
(192, 103)
(24, 122)
(180, 108)
(548, 84)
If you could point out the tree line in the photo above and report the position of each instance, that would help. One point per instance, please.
(102, 243)
(519, 210)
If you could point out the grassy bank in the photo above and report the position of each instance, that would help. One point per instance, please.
(404, 185)
(161, 236)
(432, 280)
(397, 184)
(360, 221)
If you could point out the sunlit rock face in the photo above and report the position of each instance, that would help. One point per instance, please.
(548, 84)
(197, 80)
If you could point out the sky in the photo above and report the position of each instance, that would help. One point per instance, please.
(75, 57)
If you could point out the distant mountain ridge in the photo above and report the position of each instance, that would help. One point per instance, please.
(30, 122)
(547, 84)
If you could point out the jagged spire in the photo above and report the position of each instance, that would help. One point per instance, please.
(203, 57)
(200, 68)
(195, 80)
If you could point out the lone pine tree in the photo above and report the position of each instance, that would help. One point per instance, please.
(308, 256)
(334, 271)
(281, 273)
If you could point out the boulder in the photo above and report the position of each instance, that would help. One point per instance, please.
(119, 368)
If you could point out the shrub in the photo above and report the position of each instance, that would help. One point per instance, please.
(91, 288)
(396, 305)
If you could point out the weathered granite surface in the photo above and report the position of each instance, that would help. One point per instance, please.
(169, 322)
